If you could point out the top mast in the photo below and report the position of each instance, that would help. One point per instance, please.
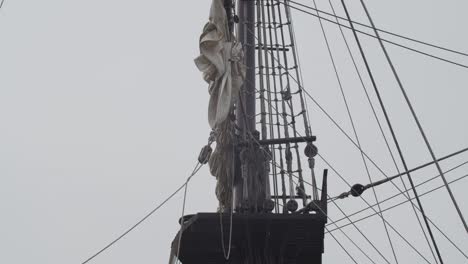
(246, 34)
(245, 197)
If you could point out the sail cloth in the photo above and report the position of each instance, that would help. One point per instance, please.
(221, 62)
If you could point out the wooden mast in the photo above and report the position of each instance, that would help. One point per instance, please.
(250, 233)
(245, 111)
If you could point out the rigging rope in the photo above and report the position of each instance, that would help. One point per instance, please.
(272, 17)
(412, 198)
(352, 241)
(353, 127)
(182, 221)
(349, 138)
(398, 233)
(392, 132)
(374, 164)
(304, 110)
(336, 124)
(268, 154)
(380, 127)
(399, 194)
(399, 175)
(381, 30)
(228, 254)
(384, 40)
(196, 169)
(317, 206)
(416, 119)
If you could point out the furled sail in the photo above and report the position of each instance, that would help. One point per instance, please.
(221, 62)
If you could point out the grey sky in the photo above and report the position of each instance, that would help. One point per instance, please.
(103, 113)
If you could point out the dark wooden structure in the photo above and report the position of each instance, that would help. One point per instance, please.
(256, 239)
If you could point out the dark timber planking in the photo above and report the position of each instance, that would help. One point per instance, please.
(256, 239)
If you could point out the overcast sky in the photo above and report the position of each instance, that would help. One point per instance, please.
(103, 113)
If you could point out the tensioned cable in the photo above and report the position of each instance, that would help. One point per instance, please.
(404, 239)
(433, 224)
(268, 154)
(375, 184)
(331, 119)
(412, 198)
(299, 69)
(342, 247)
(195, 170)
(182, 222)
(399, 194)
(346, 235)
(292, 174)
(336, 124)
(272, 17)
(348, 110)
(381, 30)
(263, 62)
(404, 173)
(385, 40)
(228, 254)
(439, 229)
(304, 109)
(413, 112)
(288, 102)
(393, 133)
(283, 104)
(380, 127)
(352, 241)
(367, 204)
(398, 233)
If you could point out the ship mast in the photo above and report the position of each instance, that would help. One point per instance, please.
(264, 223)
(245, 111)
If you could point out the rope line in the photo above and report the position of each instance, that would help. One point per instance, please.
(292, 174)
(384, 40)
(304, 110)
(398, 233)
(416, 119)
(228, 254)
(412, 198)
(348, 110)
(341, 129)
(392, 227)
(353, 242)
(372, 244)
(399, 194)
(380, 127)
(145, 217)
(392, 133)
(381, 30)
(182, 222)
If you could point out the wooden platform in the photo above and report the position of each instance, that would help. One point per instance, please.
(256, 239)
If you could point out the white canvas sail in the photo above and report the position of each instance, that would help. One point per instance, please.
(220, 62)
